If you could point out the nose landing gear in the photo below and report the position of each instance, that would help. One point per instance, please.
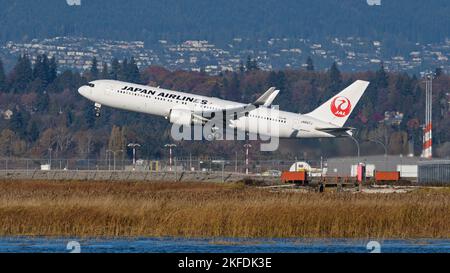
(97, 108)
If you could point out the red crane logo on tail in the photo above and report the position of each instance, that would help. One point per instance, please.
(341, 107)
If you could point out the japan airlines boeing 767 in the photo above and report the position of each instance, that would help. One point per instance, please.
(186, 109)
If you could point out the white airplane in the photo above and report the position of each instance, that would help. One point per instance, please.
(186, 109)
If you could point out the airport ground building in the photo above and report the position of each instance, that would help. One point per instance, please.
(347, 166)
(413, 168)
(434, 172)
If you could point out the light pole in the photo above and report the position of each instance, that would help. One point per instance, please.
(246, 146)
(385, 150)
(134, 146)
(379, 142)
(50, 158)
(357, 145)
(235, 162)
(114, 157)
(170, 146)
(108, 157)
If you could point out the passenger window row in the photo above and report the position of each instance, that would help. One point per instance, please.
(203, 106)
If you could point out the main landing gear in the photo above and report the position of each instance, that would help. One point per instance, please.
(215, 134)
(97, 108)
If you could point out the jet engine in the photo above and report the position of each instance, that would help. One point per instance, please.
(181, 117)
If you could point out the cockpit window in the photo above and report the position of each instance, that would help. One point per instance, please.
(91, 85)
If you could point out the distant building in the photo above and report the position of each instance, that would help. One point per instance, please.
(434, 172)
(7, 114)
(448, 99)
(373, 2)
(346, 166)
(393, 118)
(73, 2)
(350, 53)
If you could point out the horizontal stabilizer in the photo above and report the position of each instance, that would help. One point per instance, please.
(340, 131)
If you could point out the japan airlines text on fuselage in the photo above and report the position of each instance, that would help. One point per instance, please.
(184, 108)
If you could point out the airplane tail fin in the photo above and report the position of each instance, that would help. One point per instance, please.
(337, 109)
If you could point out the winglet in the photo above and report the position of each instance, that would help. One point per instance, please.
(267, 98)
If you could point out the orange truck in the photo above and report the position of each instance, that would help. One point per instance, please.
(294, 177)
(387, 176)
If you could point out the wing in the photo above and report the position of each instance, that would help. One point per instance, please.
(265, 100)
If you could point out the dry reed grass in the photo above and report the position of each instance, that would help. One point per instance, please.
(92, 209)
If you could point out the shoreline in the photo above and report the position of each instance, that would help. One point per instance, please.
(226, 245)
(219, 240)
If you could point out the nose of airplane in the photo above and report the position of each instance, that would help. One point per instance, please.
(84, 90)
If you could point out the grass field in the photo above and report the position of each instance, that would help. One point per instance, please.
(94, 209)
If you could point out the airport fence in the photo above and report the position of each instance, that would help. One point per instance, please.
(155, 165)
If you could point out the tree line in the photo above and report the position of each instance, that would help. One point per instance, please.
(47, 111)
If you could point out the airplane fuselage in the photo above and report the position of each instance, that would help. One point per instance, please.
(161, 102)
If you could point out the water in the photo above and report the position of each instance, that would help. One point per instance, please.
(229, 245)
